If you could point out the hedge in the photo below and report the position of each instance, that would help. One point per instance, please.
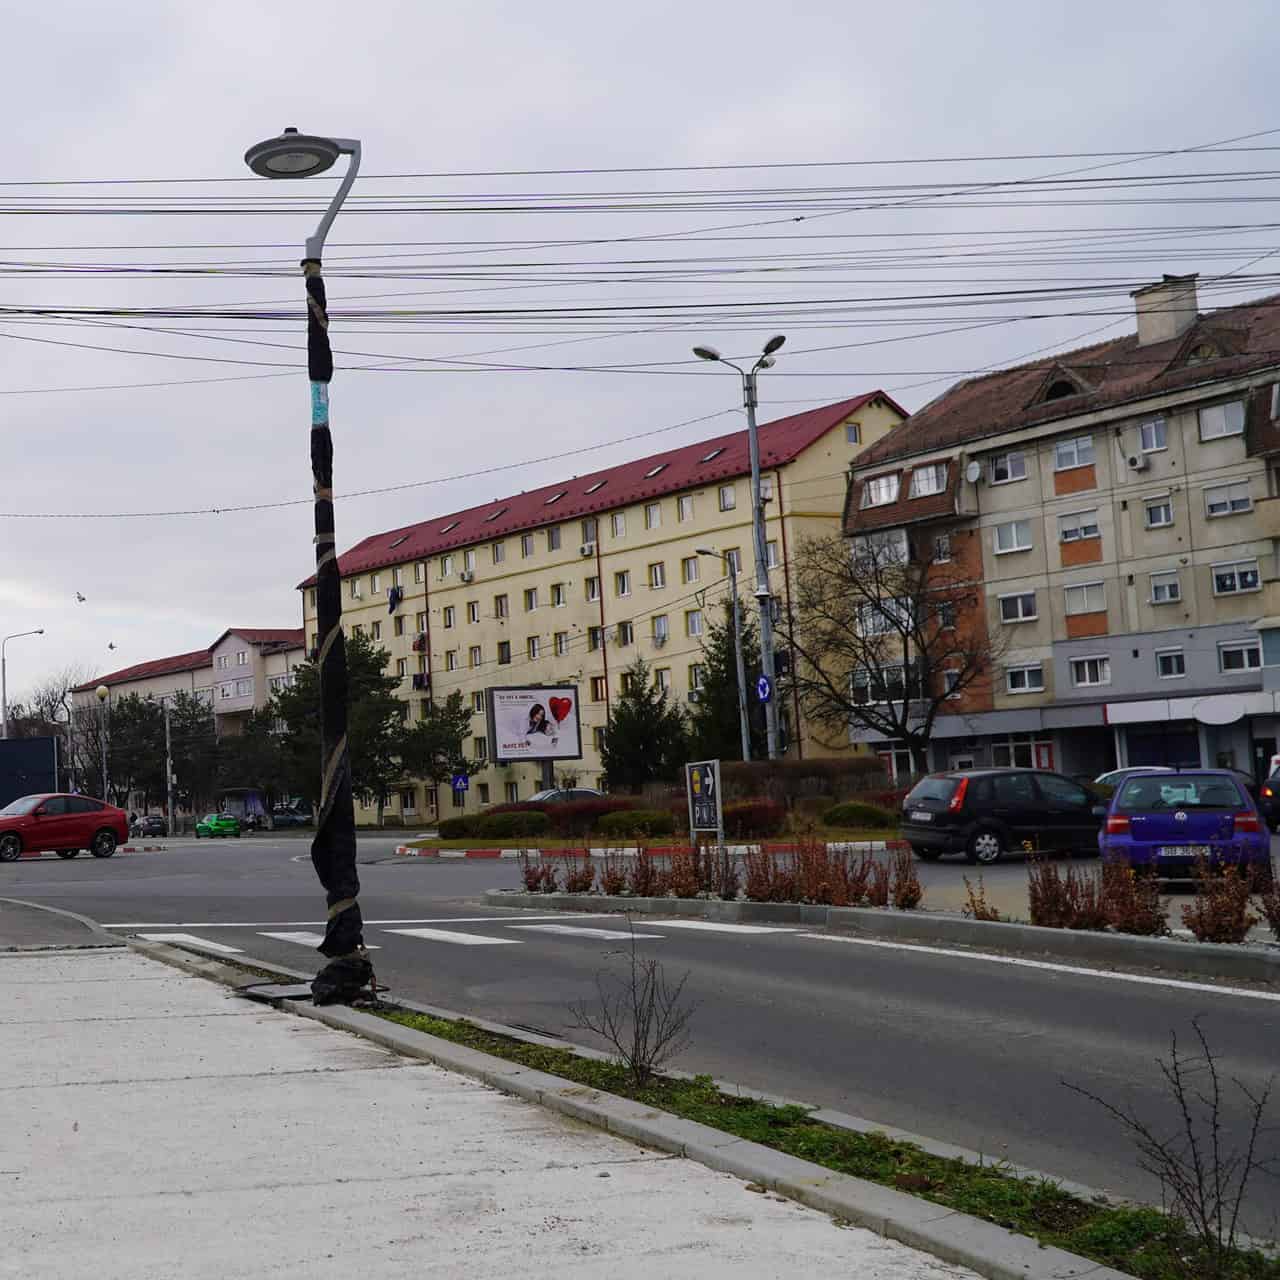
(528, 822)
(753, 819)
(856, 813)
(637, 822)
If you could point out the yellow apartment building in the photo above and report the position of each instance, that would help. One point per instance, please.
(571, 582)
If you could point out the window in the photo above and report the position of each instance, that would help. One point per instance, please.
(1232, 579)
(1077, 525)
(1087, 597)
(712, 456)
(1027, 678)
(654, 471)
(1227, 499)
(771, 557)
(451, 660)
(728, 497)
(887, 684)
(353, 588)
(557, 595)
(473, 656)
(626, 633)
(450, 616)
(473, 610)
(480, 748)
(1060, 791)
(653, 515)
(420, 622)
(526, 545)
(375, 630)
(555, 497)
(697, 675)
(446, 566)
(589, 529)
(1090, 671)
(1076, 452)
(597, 737)
(1019, 608)
(477, 702)
(242, 658)
(627, 682)
(227, 690)
(882, 617)
(598, 689)
(734, 557)
(553, 538)
(593, 588)
(950, 681)
(662, 679)
(622, 583)
(419, 572)
(375, 583)
(1219, 420)
(533, 647)
(887, 547)
(661, 627)
(929, 479)
(595, 638)
(561, 643)
(459, 798)
(693, 622)
(224, 661)
(852, 433)
(315, 640)
(1013, 535)
(483, 789)
(311, 596)
(1170, 664)
(880, 491)
(494, 515)
(499, 552)
(453, 524)
(1007, 467)
(1239, 655)
(469, 560)
(689, 569)
(511, 791)
(619, 522)
(657, 576)
(244, 688)
(397, 625)
(500, 606)
(942, 548)
(595, 488)
(504, 653)
(684, 507)
(1153, 436)
(947, 616)
(358, 629)
(530, 599)
(1159, 512)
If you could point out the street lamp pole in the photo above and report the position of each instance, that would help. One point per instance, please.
(333, 851)
(4, 677)
(744, 723)
(102, 693)
(764, 596)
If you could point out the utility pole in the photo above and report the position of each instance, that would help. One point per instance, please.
(168, 765)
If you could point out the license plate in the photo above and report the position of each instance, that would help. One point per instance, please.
(1183, 851)
(921, 815)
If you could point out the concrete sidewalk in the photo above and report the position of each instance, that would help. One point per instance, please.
(157, 1126)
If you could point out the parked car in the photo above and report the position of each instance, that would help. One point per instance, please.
(150, 824)
(283, 818)
(562, 795)
(64, 823)
(1106, 783)
(218, 824)
(1269, 800)
(1167, 823)
(986, 813)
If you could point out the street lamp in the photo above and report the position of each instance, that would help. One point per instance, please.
(764, 597)
(4, 678)
(732, 562)
(102, 693)
(333, 851)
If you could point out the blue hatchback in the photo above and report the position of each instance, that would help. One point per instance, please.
(1167, 821)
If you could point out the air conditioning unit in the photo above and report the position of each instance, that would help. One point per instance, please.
(467, 575)
(695, 695)
(1138, 462)
(587, 549)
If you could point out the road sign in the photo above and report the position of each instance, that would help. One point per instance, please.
(460, 782)
(764, 690)
(702, 781)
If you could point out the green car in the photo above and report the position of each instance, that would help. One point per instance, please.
(218, 824)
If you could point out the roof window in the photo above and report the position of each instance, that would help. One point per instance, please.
(453, 524)
(403, 538)
(599, 484)
(712, 456)
(493, 515)
(555, 497)
(653, 471)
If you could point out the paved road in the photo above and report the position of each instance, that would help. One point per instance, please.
(963, 1049)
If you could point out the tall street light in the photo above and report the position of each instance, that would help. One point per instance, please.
(4, 677)
(102, 693)
(731, 561)
(764, 597)
(333, 851)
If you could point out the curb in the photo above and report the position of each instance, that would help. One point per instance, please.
(104, 938)
(630, 851)
(1207, 959)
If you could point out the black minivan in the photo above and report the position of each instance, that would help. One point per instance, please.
(986, 813)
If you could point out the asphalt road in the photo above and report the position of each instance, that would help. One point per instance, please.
(965, 1050)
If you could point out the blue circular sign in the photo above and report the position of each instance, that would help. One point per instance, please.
(764, 690)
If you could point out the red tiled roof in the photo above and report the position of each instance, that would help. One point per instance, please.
(688, 467)
(192, 661)
(1108, 373)
(290, 636)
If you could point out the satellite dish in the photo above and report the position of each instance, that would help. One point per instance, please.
(973, 472)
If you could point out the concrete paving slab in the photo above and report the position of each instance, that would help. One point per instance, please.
(261, 1144)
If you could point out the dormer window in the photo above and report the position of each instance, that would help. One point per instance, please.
(1201, 352)
(1060, 389)
(881, 490)
(928, 479)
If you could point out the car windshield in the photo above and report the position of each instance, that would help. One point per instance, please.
(934, 788)
(17, 807)
(1148, 793)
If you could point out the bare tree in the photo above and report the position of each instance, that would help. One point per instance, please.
(885, 635)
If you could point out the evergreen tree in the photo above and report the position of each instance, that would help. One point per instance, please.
(253, 759)
(195, 750)
(431, 748)
(135, 747)
(646, 739)
(715, 727)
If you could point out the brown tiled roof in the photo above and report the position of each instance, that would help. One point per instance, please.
(192, 661)
(1111, 373)
(906, 510)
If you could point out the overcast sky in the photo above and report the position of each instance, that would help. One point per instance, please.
(177, 91)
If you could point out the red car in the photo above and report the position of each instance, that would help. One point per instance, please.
(64, 823)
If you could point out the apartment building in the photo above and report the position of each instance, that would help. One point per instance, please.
(1118, 504)
(571, 582)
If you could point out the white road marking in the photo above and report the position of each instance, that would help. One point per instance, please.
(712, 927)
(295, 924)
(1178, 983)
(304, 939)
(462, 939)
(192, 941)
(611, 934)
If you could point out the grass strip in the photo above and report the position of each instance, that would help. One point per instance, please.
(1142, 1241)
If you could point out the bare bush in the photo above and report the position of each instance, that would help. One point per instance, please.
(976, 906)
(613, 874)
(1132, 901)
(877, 883)
(1047, 894)
(1269, 900)
(907, 891)
(579, 874)
(1220, 912)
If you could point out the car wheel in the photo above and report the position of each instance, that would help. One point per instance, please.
(925, 854)
(985, 847)
(67, 853)
(10, 847)
(104, 844)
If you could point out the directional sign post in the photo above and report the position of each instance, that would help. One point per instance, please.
(702, 781)
(764, 690)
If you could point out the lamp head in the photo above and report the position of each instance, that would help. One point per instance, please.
(292, 155)
(765, 362)
(706, 353)
(102, 692)
(774, 343)
(39, 631)
(706, 551)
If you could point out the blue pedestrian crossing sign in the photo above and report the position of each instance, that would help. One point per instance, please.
(764, 690)
(460, 782)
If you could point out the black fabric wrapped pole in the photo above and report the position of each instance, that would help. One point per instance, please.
(333, 851)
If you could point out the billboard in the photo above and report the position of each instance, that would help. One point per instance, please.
(27, 766)
(539, 723)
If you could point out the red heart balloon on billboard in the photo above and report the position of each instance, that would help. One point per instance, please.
(560, 707)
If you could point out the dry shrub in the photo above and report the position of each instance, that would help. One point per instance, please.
(1088, 904)
(815, 871)
(1269, 901)
(1132, 901)
(723, 874)
(613, 874)
(685, 879)
(771, 877)
(908, 892)
(976, 906)
(1048, 895)
(1220, 912)
(530, 872)
(641, 874)
(877, 883)
(579, 874)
